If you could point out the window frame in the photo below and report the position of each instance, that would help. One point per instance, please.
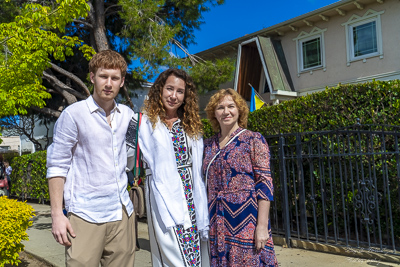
(301, 47)
(355, 21)
(305, 37)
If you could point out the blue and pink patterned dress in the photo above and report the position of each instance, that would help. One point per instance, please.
(237, 176)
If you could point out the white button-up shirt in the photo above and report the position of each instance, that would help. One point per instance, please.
(92, 157)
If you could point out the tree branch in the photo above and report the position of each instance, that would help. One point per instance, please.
(87, 24)
(23, 125)
(72, 77)
(47, 111)
(112, 12)
(112, 6)
(126, 94)
(52, 91)
(67, 92)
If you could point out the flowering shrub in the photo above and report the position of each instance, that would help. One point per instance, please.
(14, 220)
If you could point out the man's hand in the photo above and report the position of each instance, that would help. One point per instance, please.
(60, 227)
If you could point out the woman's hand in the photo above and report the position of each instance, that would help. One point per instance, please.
(261, 236)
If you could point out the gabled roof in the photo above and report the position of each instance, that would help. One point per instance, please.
(340, 8)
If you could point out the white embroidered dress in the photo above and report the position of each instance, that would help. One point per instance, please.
(181, 244)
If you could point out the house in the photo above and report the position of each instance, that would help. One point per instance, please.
(345, 42)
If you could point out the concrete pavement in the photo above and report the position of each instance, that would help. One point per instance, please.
(42, 244)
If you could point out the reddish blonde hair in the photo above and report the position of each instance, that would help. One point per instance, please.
(108, 59)
(217, 98)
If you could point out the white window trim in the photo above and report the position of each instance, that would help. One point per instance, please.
(303, 37)
(355, 20)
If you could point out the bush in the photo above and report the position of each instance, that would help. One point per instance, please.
(375, 102)
(10, 156)
(14, 220)
(207, 128)
(29, 176)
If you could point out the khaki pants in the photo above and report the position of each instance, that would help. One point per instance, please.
(110, 244)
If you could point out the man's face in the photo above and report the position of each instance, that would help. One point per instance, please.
(107, 83)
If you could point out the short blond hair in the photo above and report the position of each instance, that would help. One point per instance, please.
(239, 101)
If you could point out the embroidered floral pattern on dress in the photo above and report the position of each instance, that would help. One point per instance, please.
(188, 239)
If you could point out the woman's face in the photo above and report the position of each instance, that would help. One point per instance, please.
(173, 94)
(227, 113)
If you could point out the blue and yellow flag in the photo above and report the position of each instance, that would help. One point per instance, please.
(256, 101)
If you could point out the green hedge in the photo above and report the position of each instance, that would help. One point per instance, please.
(28, 177)
(375, 102)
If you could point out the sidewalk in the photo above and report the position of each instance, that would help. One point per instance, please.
(42, 244)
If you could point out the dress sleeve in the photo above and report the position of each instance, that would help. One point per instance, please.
(260, 157)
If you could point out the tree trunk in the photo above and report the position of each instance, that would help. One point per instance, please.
(99, 28)
(97, 14)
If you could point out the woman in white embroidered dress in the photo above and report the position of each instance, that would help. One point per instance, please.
(172, 146)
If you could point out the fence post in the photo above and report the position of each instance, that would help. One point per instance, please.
(285, 197)
(301, 182)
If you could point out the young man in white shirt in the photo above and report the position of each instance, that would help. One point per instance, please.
(86, 167)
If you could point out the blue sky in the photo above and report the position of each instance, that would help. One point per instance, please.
(237, 18)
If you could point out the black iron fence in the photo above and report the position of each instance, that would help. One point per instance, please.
(338, 187)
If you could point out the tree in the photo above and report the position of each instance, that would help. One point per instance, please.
(29, 43)
(25, 125)
(47, 47)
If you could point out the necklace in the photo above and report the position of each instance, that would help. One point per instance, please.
(111, 119)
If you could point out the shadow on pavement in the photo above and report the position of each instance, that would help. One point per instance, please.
(144, 244)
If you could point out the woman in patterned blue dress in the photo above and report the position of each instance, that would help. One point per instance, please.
(172, 146)
(239, 183)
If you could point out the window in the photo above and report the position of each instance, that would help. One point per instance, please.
(364, 39)
(311, 53)
(363, 36)
(310, 50)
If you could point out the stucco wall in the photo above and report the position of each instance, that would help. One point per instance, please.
(11, 142)
(337, 70)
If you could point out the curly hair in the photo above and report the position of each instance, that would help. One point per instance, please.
(188, 112)
(108, 59)
(217, 98)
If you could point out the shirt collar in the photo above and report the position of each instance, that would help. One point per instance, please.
(93, 106)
